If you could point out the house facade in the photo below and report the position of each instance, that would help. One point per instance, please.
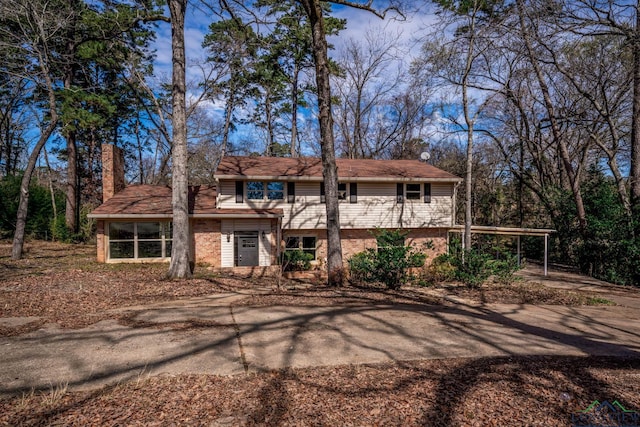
(263, 206)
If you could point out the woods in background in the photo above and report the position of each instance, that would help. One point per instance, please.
(538, 103)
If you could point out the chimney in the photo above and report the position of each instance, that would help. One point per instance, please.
(112, 171)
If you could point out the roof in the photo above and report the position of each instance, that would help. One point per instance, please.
(310, 168)
(154, 201)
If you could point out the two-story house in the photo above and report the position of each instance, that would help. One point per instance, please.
(262, 206)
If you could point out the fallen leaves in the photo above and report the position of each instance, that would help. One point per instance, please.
(524, 391)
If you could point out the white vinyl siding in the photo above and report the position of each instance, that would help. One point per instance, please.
(376, 207)
(229, 227)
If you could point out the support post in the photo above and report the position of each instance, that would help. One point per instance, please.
(518, 250)
(546, 245)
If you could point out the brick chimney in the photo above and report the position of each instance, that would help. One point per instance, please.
(112, 171)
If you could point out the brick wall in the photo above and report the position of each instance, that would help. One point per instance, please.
(112, 171)
(101, 255)
(358, 240)
(206, 243)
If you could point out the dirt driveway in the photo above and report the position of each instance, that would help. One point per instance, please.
(219, 334)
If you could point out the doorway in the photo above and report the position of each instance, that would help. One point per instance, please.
(246, 249)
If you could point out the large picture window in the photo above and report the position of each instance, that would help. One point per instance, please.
(139, 240)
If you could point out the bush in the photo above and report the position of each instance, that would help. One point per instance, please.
(362, 266)
(297, 260)
(389, 263)
(505, 267)
(474, 267)
(441, 269)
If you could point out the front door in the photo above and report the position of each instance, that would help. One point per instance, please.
(247, 249)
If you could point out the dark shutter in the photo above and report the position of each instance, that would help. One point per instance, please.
(427, 192)
(323, 198)
(291, 192)
(353, 192)
(239, 191)
(400, 192)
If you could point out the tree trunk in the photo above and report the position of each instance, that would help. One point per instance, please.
(565, 159)
(179, 267)
(294, 113)
(21, 220)
(72, 183)
(635, 125)
(329, 170)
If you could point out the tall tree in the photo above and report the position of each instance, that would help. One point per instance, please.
(30, 27)
(314, 11)
(180, 263)
(459, 63)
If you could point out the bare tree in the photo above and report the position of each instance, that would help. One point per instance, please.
(31, 26)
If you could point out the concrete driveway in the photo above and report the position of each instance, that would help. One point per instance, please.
(210, 336)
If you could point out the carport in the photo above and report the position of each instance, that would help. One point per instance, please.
(510, 231)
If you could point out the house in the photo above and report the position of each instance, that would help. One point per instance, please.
(262, 206)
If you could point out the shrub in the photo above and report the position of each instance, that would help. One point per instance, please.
(441, 269)
(505, 267)
(361, 266)
(297, 260)
(473, 267)
(389, 263)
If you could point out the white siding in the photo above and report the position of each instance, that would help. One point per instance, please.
(231, 226)
(376, 207)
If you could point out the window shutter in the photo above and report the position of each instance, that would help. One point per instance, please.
(400, 192)
(427, 192)
(353, 192)
(239, 191)
(291, 192)
(323, 198)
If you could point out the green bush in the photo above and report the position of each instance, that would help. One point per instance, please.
(441, 269)
(389, 263)
(474, 267)
(297, 260)
(505, 267)
(362, 266)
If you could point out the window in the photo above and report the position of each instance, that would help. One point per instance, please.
(427, 192)
(342, 191)
(136, 240)
(255, 190)
(306, 244)
(239, 191)
(291, 192)
(353, 192)
(412, 192)
(275, 190)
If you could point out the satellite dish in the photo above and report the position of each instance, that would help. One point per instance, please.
(425, 156)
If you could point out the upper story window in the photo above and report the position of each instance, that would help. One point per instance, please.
(343, 194)
(259, 190)
(342, 191)
(275, 190)
(255, 190)
(412, 191)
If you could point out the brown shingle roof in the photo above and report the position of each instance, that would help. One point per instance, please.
(155, 200)
(311, 168)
